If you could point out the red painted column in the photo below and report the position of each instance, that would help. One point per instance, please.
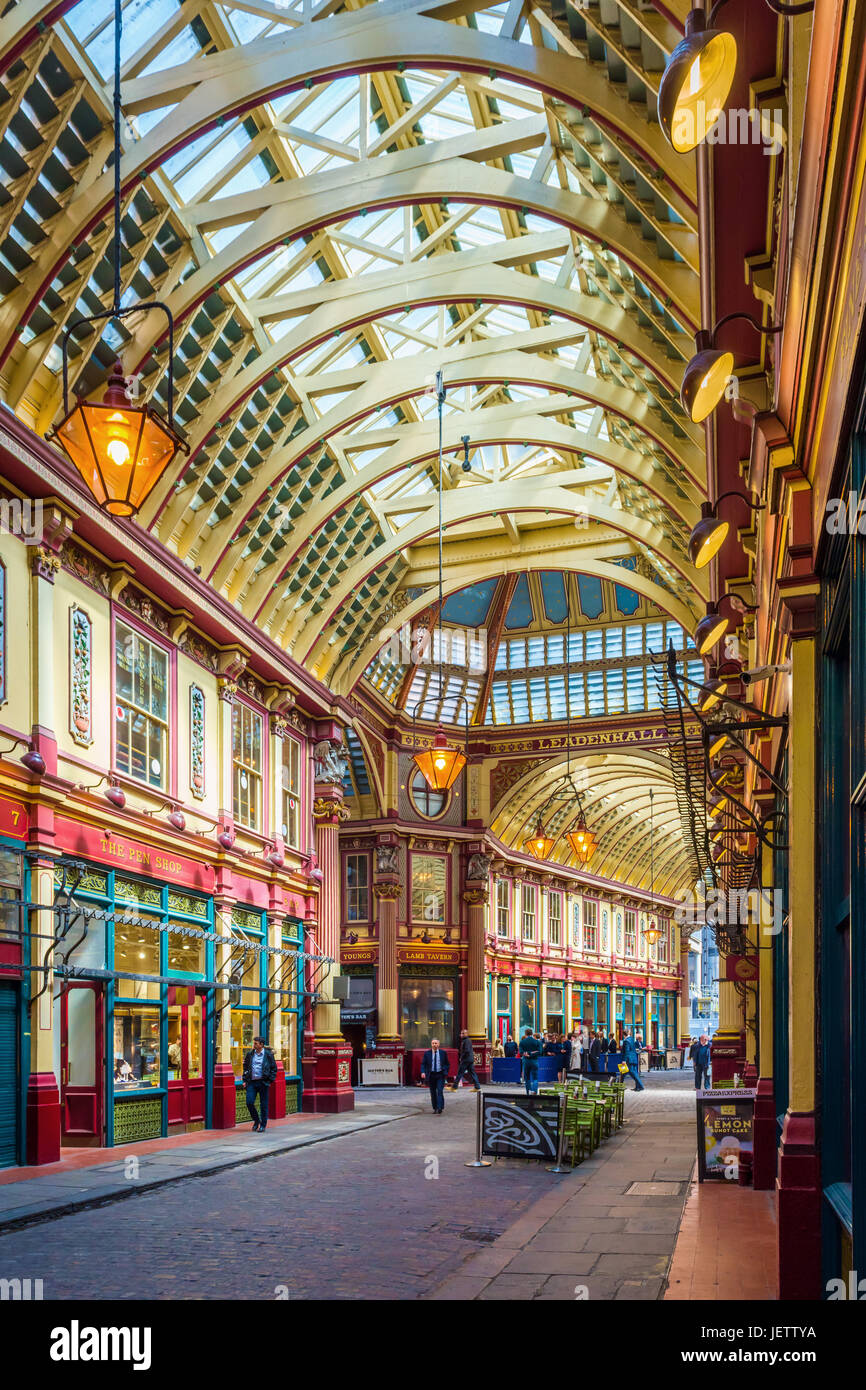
(42, 1115)
(476, 896)
(327, 1065)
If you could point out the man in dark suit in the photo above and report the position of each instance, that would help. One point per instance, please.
(530, 1051)
(595, 1053)
(701, 1062)
(434, 1070)
(260, 1071)
(466, 1061)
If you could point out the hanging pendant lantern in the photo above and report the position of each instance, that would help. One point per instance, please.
(652, 931)
(441, 765)
(121, 450)
(540, 844)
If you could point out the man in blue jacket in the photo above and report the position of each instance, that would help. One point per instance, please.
(630, 1057)
(530, 1051)
(701, 1059)
(434, 1070)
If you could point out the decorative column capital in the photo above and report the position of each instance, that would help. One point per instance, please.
(386, 889)
(226, 689)
(44, 563)
(329, 810)
(476, 896)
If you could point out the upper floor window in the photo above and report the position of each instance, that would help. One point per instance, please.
(528, 903)
(247, 765)
(662, 944)
(429, 884)
(426, 800)
(630, 933)
(10, 893)
(503, 904)
(141, 707)
(357, 888)
(590, 925)
(555, 918)
(290, 792)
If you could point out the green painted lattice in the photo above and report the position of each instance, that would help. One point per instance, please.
(292, 1105)
(137, 1119)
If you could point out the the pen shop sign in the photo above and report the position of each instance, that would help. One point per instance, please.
(520, 1126)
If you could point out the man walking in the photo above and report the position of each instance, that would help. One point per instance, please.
(630, 1057)
(466, 1061)
(260, 1071)
(434, 1070)
(530, 1051)
(701, 1061)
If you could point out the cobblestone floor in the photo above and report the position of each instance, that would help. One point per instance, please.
(387, 1213)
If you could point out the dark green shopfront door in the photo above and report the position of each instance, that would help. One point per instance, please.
(8, 1075)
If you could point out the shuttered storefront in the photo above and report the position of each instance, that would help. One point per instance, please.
(8, 1075)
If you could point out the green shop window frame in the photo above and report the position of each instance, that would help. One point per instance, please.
(28, 985)
(293, 1014)
(248, 924)
(166, 903)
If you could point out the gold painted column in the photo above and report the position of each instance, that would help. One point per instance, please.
(328, 1057)
(685, 1003)
(476, 895)
(224, 1084)
(798, 1181)
(43, 1105)
(728, 1047)
(764, 1162)
(387, 890)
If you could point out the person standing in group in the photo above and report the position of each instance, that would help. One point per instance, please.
(563, 1047)
(466, 1061)
(595, 1053)
(434, 1070)
(511, 1048)
(701, 1060)
(530, 1051)
(259, 1073)
(631, 1058)
(497, 1050)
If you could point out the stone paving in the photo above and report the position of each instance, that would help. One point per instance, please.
(384, 1211)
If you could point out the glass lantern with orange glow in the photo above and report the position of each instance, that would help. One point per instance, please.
(540, 844)
(120, 449)
(441, 765)
(582, 840)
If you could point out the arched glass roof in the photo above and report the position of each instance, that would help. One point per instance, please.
(329, 226)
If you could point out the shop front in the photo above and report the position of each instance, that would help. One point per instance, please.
(135, 1039)
(554, 1007)
(358, 1013)
(664, 1021)
(631, 1012)
(429, 1003)
(14, 882)
(527, 992)
(590, 1007)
